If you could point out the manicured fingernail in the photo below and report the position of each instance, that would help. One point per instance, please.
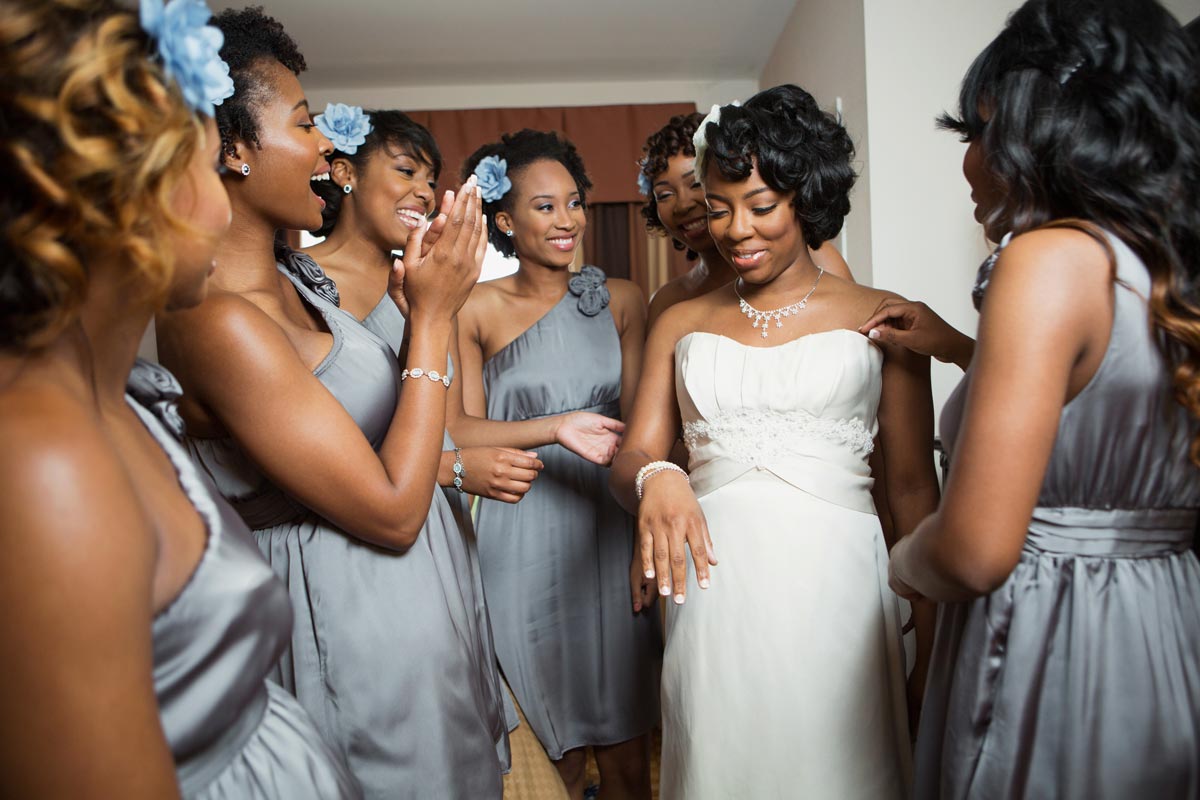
(664, 590)
(873, 333)
(704, 583)
(649, 573)
(678, 599)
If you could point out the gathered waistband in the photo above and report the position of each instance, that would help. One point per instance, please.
(1117, 533)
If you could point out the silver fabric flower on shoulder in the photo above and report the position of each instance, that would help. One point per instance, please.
(589, 286)
(310, 274)
(157, 390)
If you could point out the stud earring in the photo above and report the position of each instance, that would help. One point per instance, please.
(509, 233)
(245, 170)
(347, 188)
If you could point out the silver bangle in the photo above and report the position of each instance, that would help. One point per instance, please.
(459, 469)
(652, 469)
(432, 374)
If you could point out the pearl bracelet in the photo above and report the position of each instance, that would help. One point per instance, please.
(432, 374)
(652, 469)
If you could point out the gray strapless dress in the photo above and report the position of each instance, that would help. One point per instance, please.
(232, 733)
(583, 666)
(1080, 676)
(390, 651)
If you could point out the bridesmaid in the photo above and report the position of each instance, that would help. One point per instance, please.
(1067, 659)
(537, 343)
(381, 189)
(328, 446)
(675, 207)
(141, 618)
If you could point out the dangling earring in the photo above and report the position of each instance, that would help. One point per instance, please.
(347, 188)
(508, 233)
(245, 170)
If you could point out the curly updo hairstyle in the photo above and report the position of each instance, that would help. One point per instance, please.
(520, 150)
(1087, 115)
(672, 139)
(252, 40)
(796, 147)
(96, 139)
(390, 130)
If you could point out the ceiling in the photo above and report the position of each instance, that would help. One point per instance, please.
(350, 43)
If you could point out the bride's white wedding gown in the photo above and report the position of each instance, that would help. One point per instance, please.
(786, 677)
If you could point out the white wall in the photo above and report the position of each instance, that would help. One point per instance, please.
(525, 95)
(821, 48)
(924, 237)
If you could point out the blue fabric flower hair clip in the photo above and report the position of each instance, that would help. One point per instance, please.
(643, 180)
(494, 182)
(190, 50)
(346, 126)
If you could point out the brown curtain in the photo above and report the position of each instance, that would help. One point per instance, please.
(609, 138)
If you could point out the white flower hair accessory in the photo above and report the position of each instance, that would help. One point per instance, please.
(190, 50)
(700, 140)
(346, 126)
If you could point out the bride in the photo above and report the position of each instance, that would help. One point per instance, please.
(785, 677)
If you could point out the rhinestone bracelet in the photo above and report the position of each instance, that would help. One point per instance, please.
(432, 374)
(652, 469)
(459, 469)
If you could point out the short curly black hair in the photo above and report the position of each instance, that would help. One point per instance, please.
(520, 150)
(796, 147)
(389, 128)
(670, 140)
(251, 39)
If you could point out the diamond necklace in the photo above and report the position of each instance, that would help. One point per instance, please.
(761, 318)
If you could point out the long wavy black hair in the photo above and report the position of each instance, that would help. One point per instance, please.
(1088, 115)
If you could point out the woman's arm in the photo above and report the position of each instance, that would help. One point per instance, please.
(1039, 344)
(590, 436)
(910, 480)
(241, 367)
(629, 306)
(77, 564)
(669, 518)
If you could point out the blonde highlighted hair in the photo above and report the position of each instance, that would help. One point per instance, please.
(97, 140)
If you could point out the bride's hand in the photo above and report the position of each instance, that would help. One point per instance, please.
(670, 523)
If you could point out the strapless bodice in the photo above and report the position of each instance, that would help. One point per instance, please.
(804, 411)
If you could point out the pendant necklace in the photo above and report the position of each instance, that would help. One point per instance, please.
(762, 318)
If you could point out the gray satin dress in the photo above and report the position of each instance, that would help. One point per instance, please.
(386, 322)
(232, 733)
(1080, 676)
(390, 651)
(583, 666)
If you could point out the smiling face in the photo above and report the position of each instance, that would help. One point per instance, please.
(547, 218)
(290, 151)
(200, 199)
(754, 227)
(393, 194)
(680, 201)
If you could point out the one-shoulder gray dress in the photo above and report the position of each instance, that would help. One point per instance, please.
(232, 733)
(390, 651)
(583, 666)
(1080, 676)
